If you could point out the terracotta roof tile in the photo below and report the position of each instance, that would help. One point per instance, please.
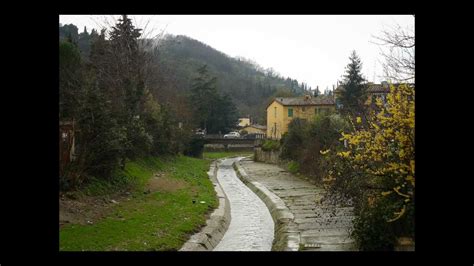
(305, 101)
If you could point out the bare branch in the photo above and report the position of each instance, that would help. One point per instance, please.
(399, 53)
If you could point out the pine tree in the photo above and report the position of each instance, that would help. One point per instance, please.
(353, 95)
(125, 68)
(213, 112)
(203, 93)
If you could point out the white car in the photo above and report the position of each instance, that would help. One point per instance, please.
(232, 135)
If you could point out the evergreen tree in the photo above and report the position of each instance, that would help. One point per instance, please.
(227, 114)
(353, 95)
(212, 112)
(84, 44)
(317, 92)
(124, 44)
(128, 62)
(70, 79)
(69, 31)
(203, 94)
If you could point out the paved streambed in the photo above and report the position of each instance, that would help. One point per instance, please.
(251, 227)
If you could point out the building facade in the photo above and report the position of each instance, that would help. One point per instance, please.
(281, 111)
(255, 129)
(243, 122)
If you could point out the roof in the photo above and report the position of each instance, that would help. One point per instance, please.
(375, 88)
(304, 101)
(257, 126)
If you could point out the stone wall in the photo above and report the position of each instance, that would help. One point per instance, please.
(272, 157)
(228, 147)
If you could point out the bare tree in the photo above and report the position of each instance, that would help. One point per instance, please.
(399, 65)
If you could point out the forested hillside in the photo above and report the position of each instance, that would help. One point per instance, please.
(249, 85)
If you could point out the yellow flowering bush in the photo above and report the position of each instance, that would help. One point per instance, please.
(386, 147)
(376, 168)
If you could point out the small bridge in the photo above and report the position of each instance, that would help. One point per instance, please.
(232, 141)
(236, 144)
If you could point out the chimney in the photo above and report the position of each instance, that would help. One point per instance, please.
(307, 97)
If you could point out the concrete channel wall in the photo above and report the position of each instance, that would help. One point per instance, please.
(285, 238)
(216, 225)
(228, 147)
(272, 157)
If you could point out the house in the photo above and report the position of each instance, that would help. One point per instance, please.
(374, 91)
(281, 111)
(243, 122)
(255, 129)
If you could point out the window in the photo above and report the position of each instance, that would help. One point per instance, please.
(316, 110)
(275, 112)
(290, 112)
(303, 108)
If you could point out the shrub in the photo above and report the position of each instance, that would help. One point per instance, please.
(371, 230)
(270, 145)
(293, 141)
(195, 148)
(378, 169)
(305, 141)
(293, 167)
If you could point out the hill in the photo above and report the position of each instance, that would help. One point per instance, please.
(249, 85)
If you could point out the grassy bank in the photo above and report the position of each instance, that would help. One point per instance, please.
(162, 219)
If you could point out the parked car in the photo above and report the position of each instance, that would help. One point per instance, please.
(232, 135)
(200, 133)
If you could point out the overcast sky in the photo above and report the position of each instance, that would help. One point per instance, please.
(311, 48)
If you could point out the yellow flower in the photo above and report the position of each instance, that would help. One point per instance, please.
(324, 152)
(359, 120)
(344, 154)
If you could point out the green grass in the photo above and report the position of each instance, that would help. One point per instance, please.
(293, 167)
(219, 155)
(134, 177)
(155, 221)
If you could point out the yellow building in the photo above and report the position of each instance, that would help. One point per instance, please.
(281, 111)
(255, 129)
(243, 122)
